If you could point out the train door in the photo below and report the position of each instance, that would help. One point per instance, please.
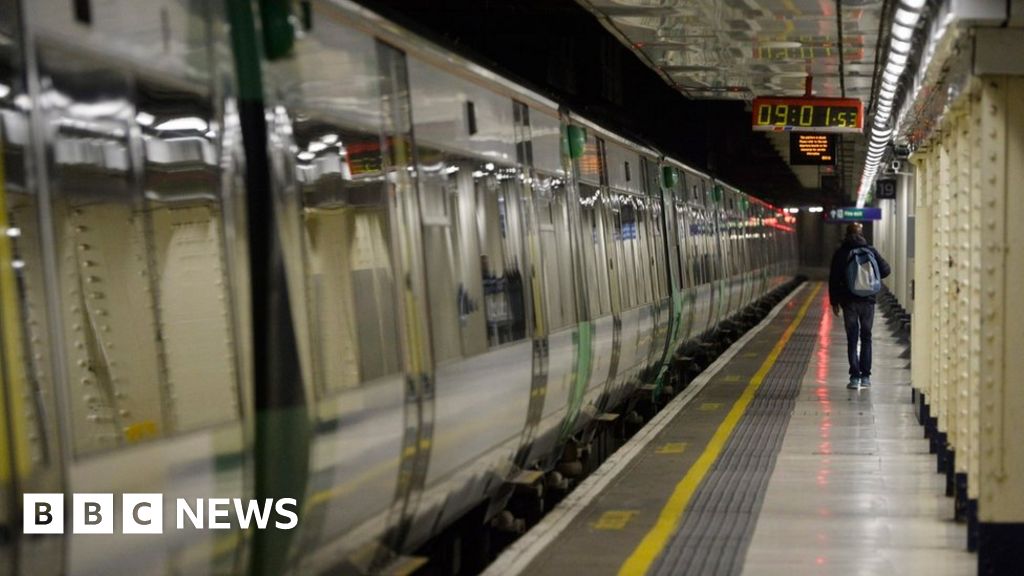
(720, 240)
(668, 179)
(356, 445)
(743, 267)
(727, 238)
(693, 234)
(711, 251)
(553, 281)
(625, 236)
(600, 328)
(659, 264)
(474, 221)
(679, 241)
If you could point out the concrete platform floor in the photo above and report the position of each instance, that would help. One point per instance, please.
(850, 489)
(854, 490)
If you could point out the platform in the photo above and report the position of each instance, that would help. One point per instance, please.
(765, 464)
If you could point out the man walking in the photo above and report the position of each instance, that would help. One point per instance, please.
(854, 280)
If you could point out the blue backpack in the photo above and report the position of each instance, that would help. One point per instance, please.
(862, 276)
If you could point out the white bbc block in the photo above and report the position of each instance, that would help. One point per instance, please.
(93, 514)
(43, 513)
(142, 514)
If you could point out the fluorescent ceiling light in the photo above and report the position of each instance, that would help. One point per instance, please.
(899, 46)
(906, 17)
(901, 32)
(780, 44)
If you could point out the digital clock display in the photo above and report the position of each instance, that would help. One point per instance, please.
(808, 114)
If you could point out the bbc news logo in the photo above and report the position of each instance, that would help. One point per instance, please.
(144, 513)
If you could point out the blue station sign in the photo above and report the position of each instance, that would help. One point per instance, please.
(853, 214)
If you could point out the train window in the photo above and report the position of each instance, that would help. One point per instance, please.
(684, 241)
(550, 197)
(349, 262)
(473, 246)
(727, 236)
(728, 241)
(713, 256)
(144, 281)
(694, 231)
(660, 266)
(626, 237)
(596, 259)
(499, 221)
(687, 240)
(646, 274)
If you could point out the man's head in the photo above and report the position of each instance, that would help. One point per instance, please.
(854, 229)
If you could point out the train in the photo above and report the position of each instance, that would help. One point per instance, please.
(255, 250)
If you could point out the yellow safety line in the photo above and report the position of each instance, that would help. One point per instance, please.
(668, 520)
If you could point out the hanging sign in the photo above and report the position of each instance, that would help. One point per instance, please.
(840, 215)
(812, 149)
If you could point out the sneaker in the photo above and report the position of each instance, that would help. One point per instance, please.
(854, 383)
(865, 382)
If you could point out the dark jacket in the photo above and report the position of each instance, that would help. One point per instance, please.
(838, 291)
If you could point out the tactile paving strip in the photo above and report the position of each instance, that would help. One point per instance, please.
(719, 521)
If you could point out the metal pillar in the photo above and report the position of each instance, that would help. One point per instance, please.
(1001, 454)
(921, 331)
(966, 351)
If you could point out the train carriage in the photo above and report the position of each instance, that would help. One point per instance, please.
(461, 277)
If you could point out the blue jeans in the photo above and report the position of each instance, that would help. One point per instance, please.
(858, 318)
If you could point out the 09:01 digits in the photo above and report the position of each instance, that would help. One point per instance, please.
(806, 116)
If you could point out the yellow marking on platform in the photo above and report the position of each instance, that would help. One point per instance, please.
(672, 448)
(711, 406)
(732, 378)
(614, 519)
(668, 519)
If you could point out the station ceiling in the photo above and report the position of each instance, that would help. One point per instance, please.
(742, 49)
(739, 49)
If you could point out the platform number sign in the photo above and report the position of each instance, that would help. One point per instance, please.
(885, 189)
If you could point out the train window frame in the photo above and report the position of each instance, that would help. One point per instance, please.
(594, 250)
(353, 205)
(496, 303)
